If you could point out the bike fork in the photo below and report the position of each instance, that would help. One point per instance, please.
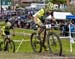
(44, 40)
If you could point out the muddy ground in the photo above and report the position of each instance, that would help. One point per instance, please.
(6, 55)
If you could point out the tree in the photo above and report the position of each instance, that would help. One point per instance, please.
(68, 2)
(57, 1)
(71, 8)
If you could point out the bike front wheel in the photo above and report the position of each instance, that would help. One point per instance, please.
(10, 46)
(54, 44)
(36, 43)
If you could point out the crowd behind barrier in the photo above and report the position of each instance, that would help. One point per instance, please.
(23, 19)
(64, 27)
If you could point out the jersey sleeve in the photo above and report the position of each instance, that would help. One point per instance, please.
(39, 13)
(3, 29)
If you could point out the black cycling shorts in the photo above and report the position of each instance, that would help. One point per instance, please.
(7, 32)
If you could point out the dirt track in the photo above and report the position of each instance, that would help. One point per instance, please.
(6, 55)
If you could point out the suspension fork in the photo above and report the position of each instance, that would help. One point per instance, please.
(44, 39)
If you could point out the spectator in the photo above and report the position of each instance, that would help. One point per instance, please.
(61, 28)
(11, 20)
(66, 29)
(72, 28)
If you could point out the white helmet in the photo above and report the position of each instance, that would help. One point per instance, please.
(8, 24)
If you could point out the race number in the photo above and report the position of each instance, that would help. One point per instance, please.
(48, 26)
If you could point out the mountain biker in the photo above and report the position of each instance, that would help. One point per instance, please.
(12, 20)
(39, 16)
(5, 30)
(43, 13)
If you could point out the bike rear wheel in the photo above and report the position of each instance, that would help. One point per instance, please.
(36, 43)
(54, 44)
(10, 46)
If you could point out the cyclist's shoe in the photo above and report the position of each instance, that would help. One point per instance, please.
(5, 48)
(46, 49)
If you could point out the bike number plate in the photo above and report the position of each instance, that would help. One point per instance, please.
(48, 26)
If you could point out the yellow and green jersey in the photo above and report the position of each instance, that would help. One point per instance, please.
(39, 14)
(5, 30)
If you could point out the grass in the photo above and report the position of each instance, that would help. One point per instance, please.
(25, 47)
(19, 37)
(24, 30)
(66, 47)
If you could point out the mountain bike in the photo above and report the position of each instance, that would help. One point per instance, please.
(53, 40)
(7, 44)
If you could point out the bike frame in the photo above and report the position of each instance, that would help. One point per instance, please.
(44, 38)
(45, 33)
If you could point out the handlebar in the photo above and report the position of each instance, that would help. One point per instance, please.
(45, 26)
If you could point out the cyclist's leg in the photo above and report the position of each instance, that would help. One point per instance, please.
(44, 41)
(41, 34)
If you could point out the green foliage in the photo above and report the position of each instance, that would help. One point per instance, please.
(71, 9)
(57, 1)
